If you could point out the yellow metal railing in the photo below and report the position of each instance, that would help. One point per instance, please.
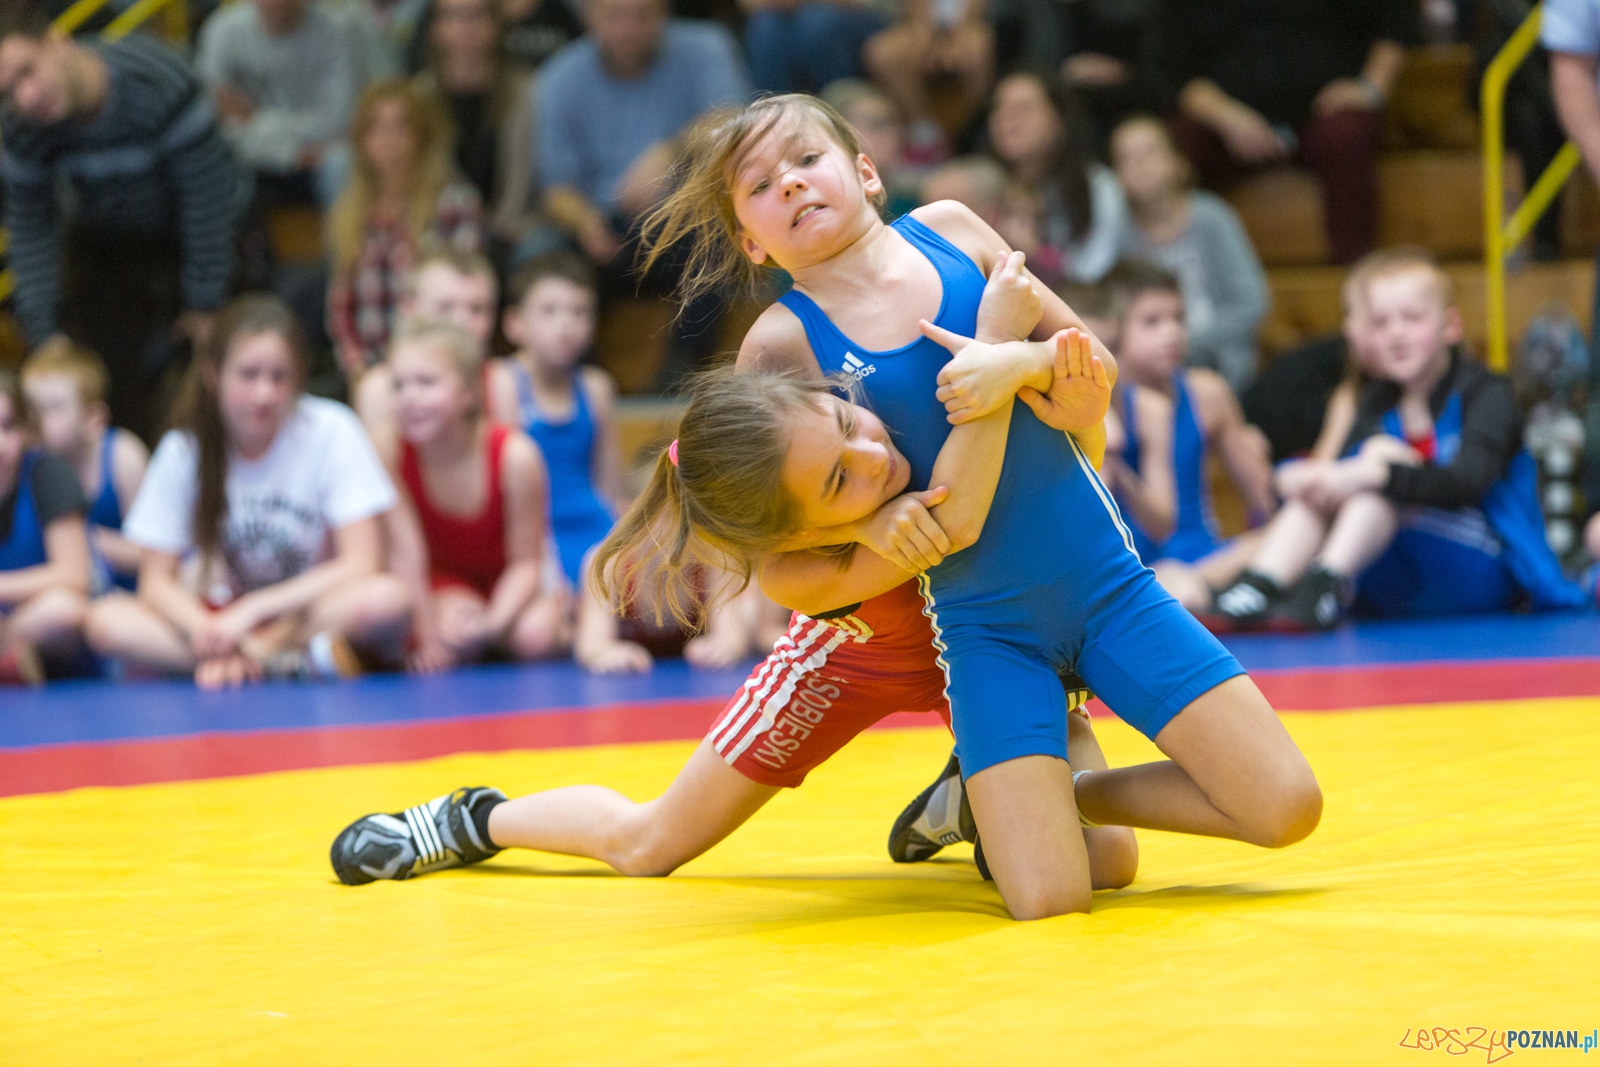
(175, 22)
(1502, 235)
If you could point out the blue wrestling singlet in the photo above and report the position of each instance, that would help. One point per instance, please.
(579, 519)
(24, 545)
(1053, 583)
(106, 510)
(1194, 533)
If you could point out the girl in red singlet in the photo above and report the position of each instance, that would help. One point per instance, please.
(480, 496)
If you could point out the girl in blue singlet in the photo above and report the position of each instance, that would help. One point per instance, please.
(1172, 421)
(565, 408)
(44, 550)
(1052, 583)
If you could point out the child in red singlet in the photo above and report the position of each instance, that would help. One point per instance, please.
(479, 493)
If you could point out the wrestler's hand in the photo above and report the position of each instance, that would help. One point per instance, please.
(1010, 307)
(1080, 389)
(981, 377)
(903, 531)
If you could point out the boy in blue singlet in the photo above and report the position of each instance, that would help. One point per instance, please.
(44, 551)
(1170, 421)
(568, 408)
(1433, 510)
(66, 386)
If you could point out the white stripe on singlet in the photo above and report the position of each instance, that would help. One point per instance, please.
(801, 635)
(780, 698)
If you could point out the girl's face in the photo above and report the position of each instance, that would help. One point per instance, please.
(841, 464)
(1023, 124)
(13, 440)
(554, 323)
(256, 389)
(1153, 340)
(1409, 326)
(1145, 162)
(389, 143)
(429, 395)
(800, 198)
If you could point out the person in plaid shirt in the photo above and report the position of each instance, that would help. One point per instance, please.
(403, 189)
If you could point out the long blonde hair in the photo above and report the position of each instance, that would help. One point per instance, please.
(700, 207)
(720, 502)
(433, 169)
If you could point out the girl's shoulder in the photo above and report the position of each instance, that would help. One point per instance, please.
(777, 342)
(521, 462)
(599, 388)
(323, 415)
(962, 227)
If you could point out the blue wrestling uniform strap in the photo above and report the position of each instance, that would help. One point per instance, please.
(527, 409)
(1189, 456)
(1130, 429)
(955, 267)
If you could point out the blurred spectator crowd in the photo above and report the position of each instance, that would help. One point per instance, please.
(482, 170)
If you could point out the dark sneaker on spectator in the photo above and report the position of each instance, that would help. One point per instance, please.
(327, 657)
(1244, 605)
(939, 816)
(1314, 603)
(443, 833)
(19, 665)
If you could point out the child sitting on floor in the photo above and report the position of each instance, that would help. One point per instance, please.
(1171, 420)
(277, 499)
(44, 550)
(478, 489)
(1433, 510)
(568, 408)
(66, 387)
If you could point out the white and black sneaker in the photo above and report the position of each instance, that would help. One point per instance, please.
(939, 816)
(448, 831)
(1244, 605)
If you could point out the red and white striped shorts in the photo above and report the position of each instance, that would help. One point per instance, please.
(826, 681)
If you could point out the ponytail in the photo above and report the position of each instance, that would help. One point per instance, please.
(721, 505)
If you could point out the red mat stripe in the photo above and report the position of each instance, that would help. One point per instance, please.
(49, 768)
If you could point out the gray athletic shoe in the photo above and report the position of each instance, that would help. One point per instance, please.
(939, 816)
(429, 837)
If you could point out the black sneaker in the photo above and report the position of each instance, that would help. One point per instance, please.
(429, 837)
(1314, 603)
(1244, 605)
(939, 816)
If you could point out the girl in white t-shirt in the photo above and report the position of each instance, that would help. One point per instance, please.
(259, 524)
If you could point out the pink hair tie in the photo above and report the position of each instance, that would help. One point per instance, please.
(672, 451)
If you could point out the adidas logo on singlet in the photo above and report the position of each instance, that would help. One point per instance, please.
(857, 369)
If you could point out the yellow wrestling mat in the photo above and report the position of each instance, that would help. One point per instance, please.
(1453, 884)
